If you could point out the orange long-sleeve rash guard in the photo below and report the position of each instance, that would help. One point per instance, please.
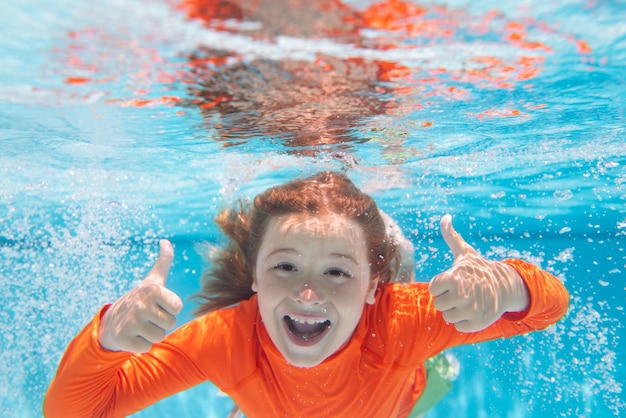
(378, 373)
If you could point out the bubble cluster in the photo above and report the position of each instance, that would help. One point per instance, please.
(56, 274)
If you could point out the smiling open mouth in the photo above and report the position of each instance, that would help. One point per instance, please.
(306, 330)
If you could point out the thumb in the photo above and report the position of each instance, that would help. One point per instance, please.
(455, 242)
(162, 265)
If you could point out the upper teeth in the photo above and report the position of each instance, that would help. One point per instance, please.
(307, 321)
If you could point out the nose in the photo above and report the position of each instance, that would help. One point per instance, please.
(308, 296)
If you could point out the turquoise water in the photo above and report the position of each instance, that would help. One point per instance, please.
(123, 122)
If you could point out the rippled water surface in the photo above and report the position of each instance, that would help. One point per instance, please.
(122, 122)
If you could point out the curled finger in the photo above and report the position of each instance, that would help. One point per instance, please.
(169, 301)
(137, 344)
(454, 316)
(445, 301)
(151, 332)
(440, 284)
(161, 318)
(468, 326)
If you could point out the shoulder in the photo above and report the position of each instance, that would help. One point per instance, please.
(402, 319)
(400, 297)
(227, 324)
(222, 343)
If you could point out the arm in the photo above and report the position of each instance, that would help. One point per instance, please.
(476, 292)
(144, 314)
(92, 381)
(93, 369)
(476, 300)
(419, 331)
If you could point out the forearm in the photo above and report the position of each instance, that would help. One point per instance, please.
(92, 381)
(547, 301)
(86, 378)
(548, 298)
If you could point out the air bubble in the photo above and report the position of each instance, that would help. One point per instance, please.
(563, 194)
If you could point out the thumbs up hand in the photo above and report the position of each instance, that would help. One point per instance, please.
(143, 315)
(475, 292)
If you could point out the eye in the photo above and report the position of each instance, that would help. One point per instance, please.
(285, 267)
(336, 272)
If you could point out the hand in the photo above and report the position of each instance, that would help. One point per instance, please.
(143, 315)
(475, 292)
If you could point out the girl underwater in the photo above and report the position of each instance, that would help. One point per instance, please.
(300, 315)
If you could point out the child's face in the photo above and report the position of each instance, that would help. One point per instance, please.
(313, 278)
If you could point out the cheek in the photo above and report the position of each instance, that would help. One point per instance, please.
(352, 297)
(267, 308)
(271, 292)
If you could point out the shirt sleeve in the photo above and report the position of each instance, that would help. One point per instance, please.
(83, 379)
(94, 382)
(549, 298)
(416, 323)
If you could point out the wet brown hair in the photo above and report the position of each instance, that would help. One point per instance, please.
(229, 281)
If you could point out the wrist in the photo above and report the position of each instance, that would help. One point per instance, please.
(519, 297)
(103, 336)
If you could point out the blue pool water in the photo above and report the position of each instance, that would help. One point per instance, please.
(122, 122)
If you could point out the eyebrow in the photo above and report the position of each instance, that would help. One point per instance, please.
(284, 250)
(294, 251)
(348, 256)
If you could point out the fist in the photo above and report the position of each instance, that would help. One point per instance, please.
(143, 315)
(475, 292)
